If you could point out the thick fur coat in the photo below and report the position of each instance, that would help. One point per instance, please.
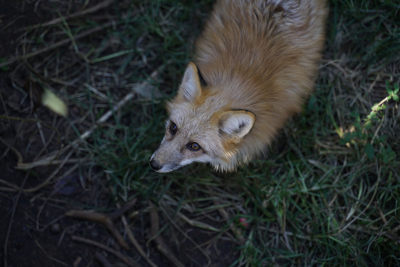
(259, 60)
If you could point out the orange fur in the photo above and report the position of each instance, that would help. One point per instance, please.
(257, 56)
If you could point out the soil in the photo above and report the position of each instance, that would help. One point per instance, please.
(34, 230)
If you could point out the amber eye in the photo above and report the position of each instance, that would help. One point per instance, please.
(173, 128)
(193, 146)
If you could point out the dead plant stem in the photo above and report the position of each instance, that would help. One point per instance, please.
(57, 44)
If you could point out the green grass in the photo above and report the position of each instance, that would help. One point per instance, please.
(328, 191)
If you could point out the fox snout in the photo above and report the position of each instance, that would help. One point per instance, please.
(164, 159)
(155, 165)
(161, 167)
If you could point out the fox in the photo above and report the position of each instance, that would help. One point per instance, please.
(254, 65)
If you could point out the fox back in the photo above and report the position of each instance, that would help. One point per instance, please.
(254, 65)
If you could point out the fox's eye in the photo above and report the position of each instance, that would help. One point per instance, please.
(193, 146)
(173, 128)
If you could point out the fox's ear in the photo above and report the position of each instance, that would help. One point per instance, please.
(190, 87)
(236, 123)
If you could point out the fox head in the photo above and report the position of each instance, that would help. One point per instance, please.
(202, 127)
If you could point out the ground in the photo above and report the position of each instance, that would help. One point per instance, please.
(78, 190)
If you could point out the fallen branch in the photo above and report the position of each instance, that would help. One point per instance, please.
(106, 220)
(117, 254)
(99, 218)
(135, 243)
(161, 246)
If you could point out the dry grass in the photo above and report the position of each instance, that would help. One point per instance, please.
(328, 191)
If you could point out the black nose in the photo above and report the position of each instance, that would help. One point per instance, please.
(154, 164)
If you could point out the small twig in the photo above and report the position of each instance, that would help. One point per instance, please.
(42, 162)
(279, 232)
(118, 106)
(96, 92)
(49, 256)
(103, 260)
(118, 213)
(117, 254)
(52, 175)
(56, 45)
(102, 219)
(163, 208)
(105, 220)
(11, 185)
(388, 234)
(155, 227)
(14, 208)
(7, 189)
(376, 185)
(27, 166)
(19, 156)
(41, 134)
(93, 9)
(104, 118)
(234, 229)
(198, 224)
(135, 243)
